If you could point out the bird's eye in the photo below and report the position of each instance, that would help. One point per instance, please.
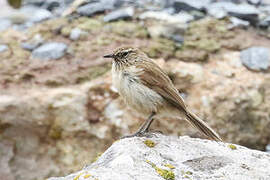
(124, 54)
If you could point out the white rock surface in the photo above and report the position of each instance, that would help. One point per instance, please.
(188, 158)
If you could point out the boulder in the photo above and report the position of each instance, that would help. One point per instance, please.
(163, 157)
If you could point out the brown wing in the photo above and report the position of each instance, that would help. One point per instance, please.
(154, 78)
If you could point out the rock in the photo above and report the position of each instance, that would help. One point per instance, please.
(189, 5)
(3, 48)
(126, 13)
(41, 15)
(4, 24)
(36, 41)
(93, 8)
(242, 11)
(75, 34)
(173, 32)
(60, 125)
(176, 38)
(264, 23)
(256, 58)
(53, 4)
(236, 22)
(254, 2)
(35, 14)
(175, 158)
(52, 50)
(185, 74)
(164, 16)
(267, 148)
(218, 13)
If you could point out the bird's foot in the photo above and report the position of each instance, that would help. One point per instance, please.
(147, 134)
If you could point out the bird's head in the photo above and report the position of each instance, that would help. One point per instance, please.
(125, 54)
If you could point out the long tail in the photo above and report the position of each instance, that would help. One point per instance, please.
(202, 126)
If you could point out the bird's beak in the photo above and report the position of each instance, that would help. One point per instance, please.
(109, 56)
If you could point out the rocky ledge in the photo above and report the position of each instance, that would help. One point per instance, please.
(166, 157)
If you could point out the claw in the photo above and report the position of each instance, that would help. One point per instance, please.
(143, 134)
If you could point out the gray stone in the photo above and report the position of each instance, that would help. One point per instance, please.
(176, 38)
(3, 48)
(267, 148)
(52, 50)
(265, 9)
(35, 14)
(175, 158)
(189, 5)
(242, 11)
(170, 31)
(33, 43)
(254, 2)
(41, 15)
(236, 22)
(218, 13)
(126, 13)
(264, 23)
(180, 18)
(5, 24)
(256, 58)
(53, 4)
(93, 8)
(75, 34)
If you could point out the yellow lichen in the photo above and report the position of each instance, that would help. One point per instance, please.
(87, 176)
(166, 174)
(169, 175)
(77, 177)
(233, 147)
(149, 143)
(169, 166)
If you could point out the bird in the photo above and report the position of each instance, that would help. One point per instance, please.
(147, 89)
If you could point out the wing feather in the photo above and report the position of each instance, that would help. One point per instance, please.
(155, 78)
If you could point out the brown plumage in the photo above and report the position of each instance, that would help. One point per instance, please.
(148, 89)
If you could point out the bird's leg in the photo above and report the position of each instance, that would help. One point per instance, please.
(148, 122)
(144, 127)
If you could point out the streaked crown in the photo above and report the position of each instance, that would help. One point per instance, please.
(125, 54)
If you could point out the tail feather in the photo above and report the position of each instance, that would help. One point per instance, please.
(202, 126)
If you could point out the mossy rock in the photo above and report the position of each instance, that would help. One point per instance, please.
(127, 29)
(161, 47)
(191, 55)
(92, 73)
(207, 35)
(49, 28)
(89, 24)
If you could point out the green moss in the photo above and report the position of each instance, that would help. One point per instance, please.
(54, 82)
(92, 73)
(49, 28)
(65, 31)
(89, 24)
(149, 143)
(128, 29)
(55, 132)
(233, 147)
(204, 36)
(160, 47)
(102, 41)
(166, 174)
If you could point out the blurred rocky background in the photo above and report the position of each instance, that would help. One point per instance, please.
(58, 110)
